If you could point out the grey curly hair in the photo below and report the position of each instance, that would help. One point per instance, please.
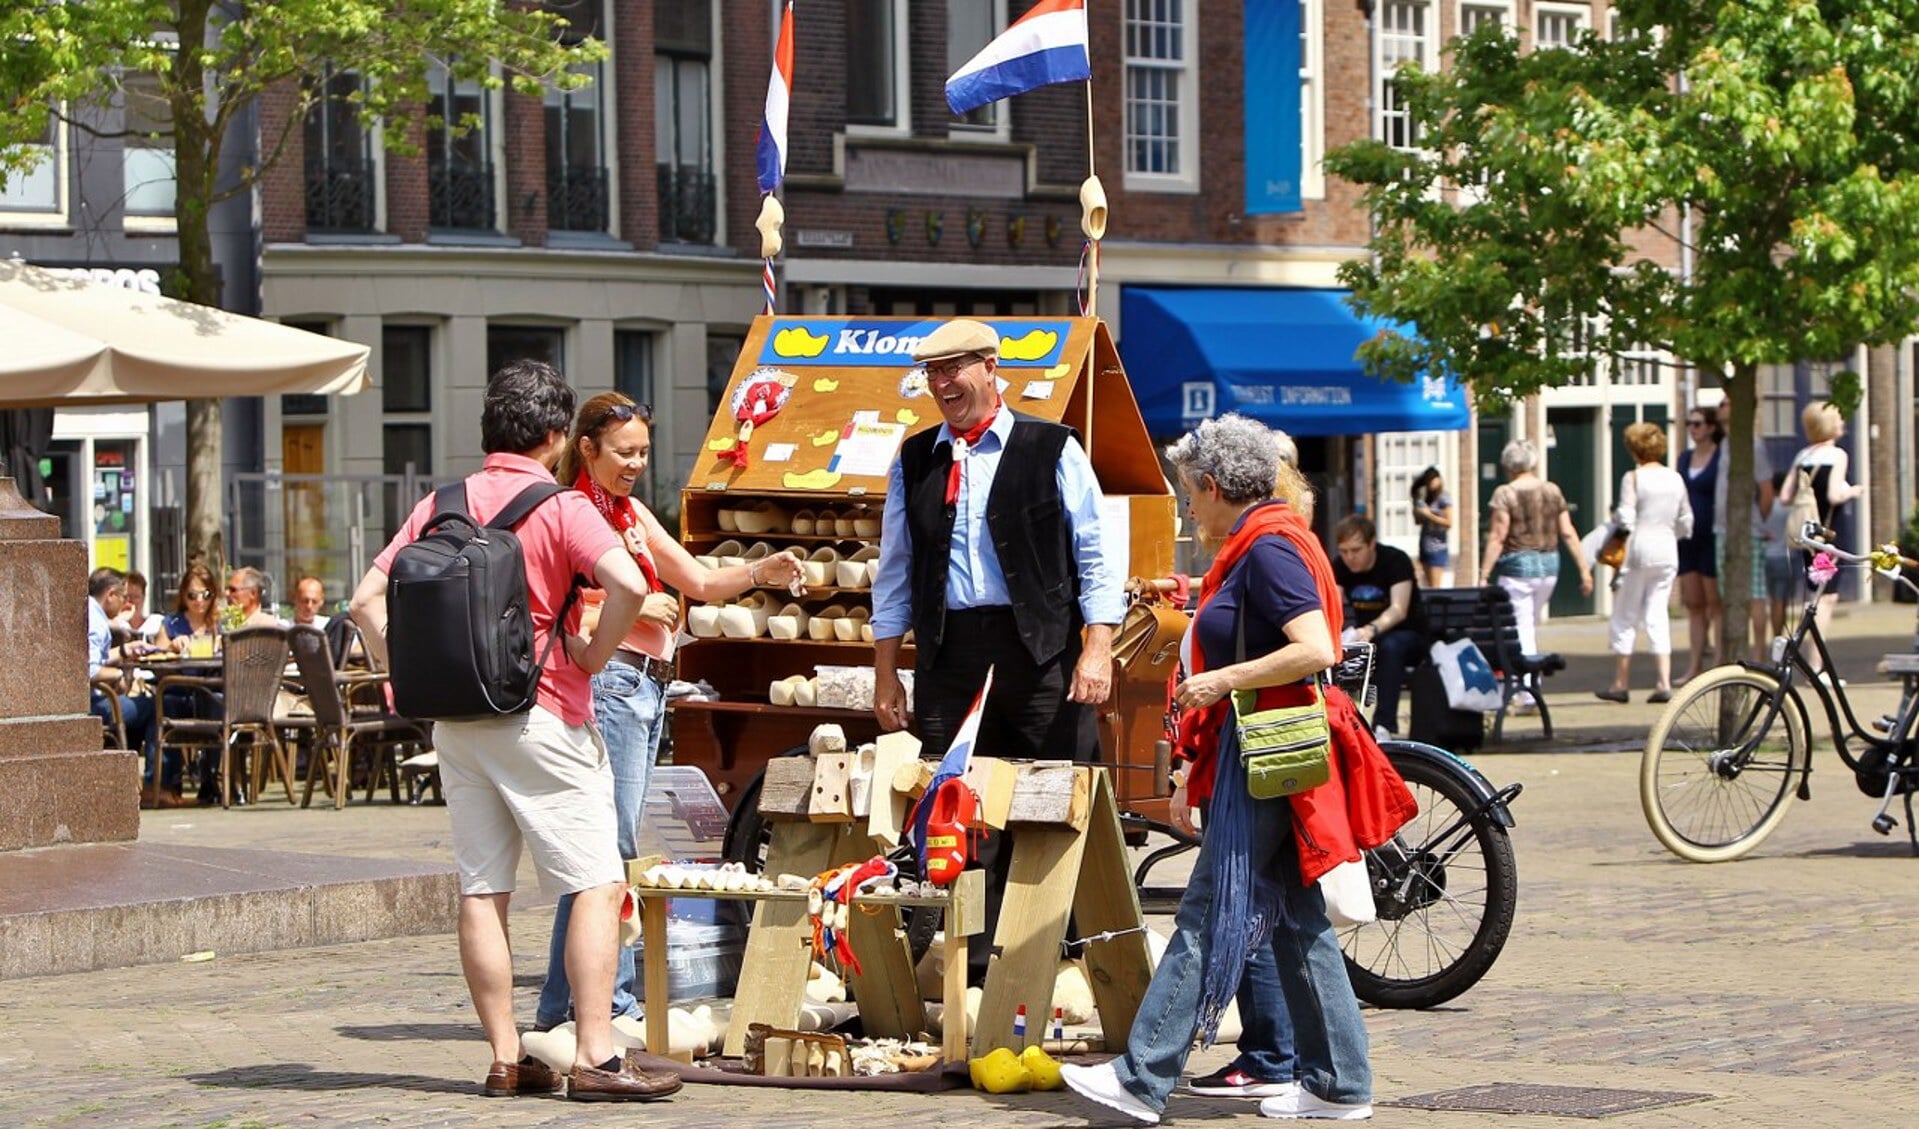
(1519, 457)
(1240, 454)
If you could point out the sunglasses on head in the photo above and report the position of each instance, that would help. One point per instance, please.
(623, 413)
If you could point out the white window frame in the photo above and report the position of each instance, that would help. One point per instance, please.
(1581, 15)
(150, 224)
(1508, 18)
(495, 145)
(1428, 42)
(1002, 127)
(13, 216)
(607, 85)
(1187, 154)
(1312, 100)
(902, 81)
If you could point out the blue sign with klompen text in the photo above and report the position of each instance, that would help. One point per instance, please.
(849, 342)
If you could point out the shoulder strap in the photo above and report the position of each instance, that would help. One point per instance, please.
(449, 504)
(523, 503)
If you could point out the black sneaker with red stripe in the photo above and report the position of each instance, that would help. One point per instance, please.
(1230, 1082)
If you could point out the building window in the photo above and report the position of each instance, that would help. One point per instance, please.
(1478, 13)
(970, 26)
(525, 343)
(147, 171)
(1558, 25)
(1405, 36)
(341, 180)
(683, 121)
(578, 190)
(39, 188)
(1312, 108)
(722, 352)
(1162, 111)
(305, 403)
(406, 399)
(459, 152)
(633, 376)
(876, 69)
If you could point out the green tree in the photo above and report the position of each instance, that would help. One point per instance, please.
(1773, 139)
(213, 62)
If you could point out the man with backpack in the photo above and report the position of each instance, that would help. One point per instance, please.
(474, 601)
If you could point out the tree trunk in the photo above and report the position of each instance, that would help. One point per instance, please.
(1882, 452)
(1735, 578)
(199, 281)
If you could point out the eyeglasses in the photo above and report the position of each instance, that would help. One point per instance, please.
(951, 367)
(196, 597)
(623, 413)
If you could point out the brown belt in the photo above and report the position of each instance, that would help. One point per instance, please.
(659, 670)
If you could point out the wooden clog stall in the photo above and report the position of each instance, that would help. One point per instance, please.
(851, 395)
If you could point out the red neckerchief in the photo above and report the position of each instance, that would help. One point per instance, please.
(619, 514)
(963, 443)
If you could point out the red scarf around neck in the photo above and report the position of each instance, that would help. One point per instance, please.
(619, 514)
(969, 437)
(1199, 729)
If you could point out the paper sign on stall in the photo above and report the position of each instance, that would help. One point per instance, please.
(867, 449)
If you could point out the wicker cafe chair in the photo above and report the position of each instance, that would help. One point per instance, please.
(255, 660)
(115, 725)
(340, 725)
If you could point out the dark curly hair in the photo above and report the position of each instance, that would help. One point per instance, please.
(526, 401)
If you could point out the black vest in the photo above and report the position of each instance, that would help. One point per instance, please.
(1027, 521)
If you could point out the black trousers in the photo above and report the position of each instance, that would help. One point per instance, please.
(1026, 717)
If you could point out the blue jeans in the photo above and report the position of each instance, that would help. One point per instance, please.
(1265, 1026)
(1328, 1034)
(630, 709)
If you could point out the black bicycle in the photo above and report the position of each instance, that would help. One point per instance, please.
(1733, 746)
(1445, 887)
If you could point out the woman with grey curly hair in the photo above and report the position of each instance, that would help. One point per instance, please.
(1529, 520)
(1240, 454)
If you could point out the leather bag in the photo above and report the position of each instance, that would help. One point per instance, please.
(1146, 646)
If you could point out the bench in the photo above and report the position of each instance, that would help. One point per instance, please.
(1485, 615)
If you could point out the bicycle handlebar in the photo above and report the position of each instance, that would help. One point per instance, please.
(1885, 560)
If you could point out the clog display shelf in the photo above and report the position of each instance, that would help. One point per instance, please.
(797, 457)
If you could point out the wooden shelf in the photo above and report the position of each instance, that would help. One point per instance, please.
(719, 535)
(797, 642)
(816, 713)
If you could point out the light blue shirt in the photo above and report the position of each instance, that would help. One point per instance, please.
(973, 576)
(99, 637)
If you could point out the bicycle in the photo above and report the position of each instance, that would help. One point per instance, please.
(1723, 758)
(1446, 887)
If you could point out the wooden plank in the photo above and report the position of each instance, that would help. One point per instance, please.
(887, 809)
(1106, 899)
(953, 1032)
(653, 973)
(995, 781)
(786, 791)
(779, 948)
(886, 986)
(1032, 923)
(1045, 793)
(831, 797)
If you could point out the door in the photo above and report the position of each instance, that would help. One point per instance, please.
(1495, 431)
(303, 451)
(1574, 466)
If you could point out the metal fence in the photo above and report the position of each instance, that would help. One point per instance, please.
(325, 525)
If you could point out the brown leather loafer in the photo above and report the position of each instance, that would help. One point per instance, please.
(628, 1084)
(528, 1076)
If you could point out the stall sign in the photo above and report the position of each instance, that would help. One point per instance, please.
(853, 342)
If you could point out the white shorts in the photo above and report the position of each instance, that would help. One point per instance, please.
(529, 778)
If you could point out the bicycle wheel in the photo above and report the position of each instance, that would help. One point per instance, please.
(1717, 773)
(1445, 888)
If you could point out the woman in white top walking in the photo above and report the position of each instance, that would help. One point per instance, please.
(1654, 505)
(1824, 462)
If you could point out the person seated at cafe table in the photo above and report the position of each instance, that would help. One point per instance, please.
(134, 618)
(245, 589)
(309, 595)
(194, 629)
(106, 594)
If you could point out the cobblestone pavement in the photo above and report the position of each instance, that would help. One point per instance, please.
(1779, 985)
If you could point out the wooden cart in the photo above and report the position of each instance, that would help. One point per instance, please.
(853, 394)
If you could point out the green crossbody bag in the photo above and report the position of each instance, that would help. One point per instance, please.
(1285, 750)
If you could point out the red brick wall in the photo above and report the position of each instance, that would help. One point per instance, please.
(638, 221)
(525, 144)
(746, 47)
(408, 204)
(283, 213)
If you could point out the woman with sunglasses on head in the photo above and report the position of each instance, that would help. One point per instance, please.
(195, 619)
(1699, 554)
(604, 459)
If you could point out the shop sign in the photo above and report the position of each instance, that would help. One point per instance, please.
(1196, 396)
(145, 280)
(856, 342)
(839, 239)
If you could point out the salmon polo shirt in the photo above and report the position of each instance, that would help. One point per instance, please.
(564, 537)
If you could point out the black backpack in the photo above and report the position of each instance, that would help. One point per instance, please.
(459, 635)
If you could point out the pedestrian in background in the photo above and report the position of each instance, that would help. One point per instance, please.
(1824, 462)
(1655, 504)
(1376, 581)
(1703, 469)
(1782, 585)
(1529, 520)
(1433, 510)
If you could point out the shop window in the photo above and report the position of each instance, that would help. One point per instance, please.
(525, 342)
(459, 153)
(970, 26)
(1405, 36)
(876, 66)
(1162, 95)
(147, 169)
(342, 175)
(683, 122)
(36, 194)
(578, 188)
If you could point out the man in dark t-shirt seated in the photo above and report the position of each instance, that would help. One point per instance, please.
(1376, 581)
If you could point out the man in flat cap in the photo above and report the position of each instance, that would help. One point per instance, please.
(991, 554)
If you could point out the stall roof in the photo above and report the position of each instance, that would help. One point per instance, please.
(1283, 357)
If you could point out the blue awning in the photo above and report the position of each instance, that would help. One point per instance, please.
(1283, 357)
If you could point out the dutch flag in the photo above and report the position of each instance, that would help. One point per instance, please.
(779, 94)
(1044, 46)
(960, 753)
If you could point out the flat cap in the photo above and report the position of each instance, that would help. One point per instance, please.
(957, 338)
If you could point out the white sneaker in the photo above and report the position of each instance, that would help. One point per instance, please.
(1381, 733)
(1302, 1103)
(1100, 1084)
